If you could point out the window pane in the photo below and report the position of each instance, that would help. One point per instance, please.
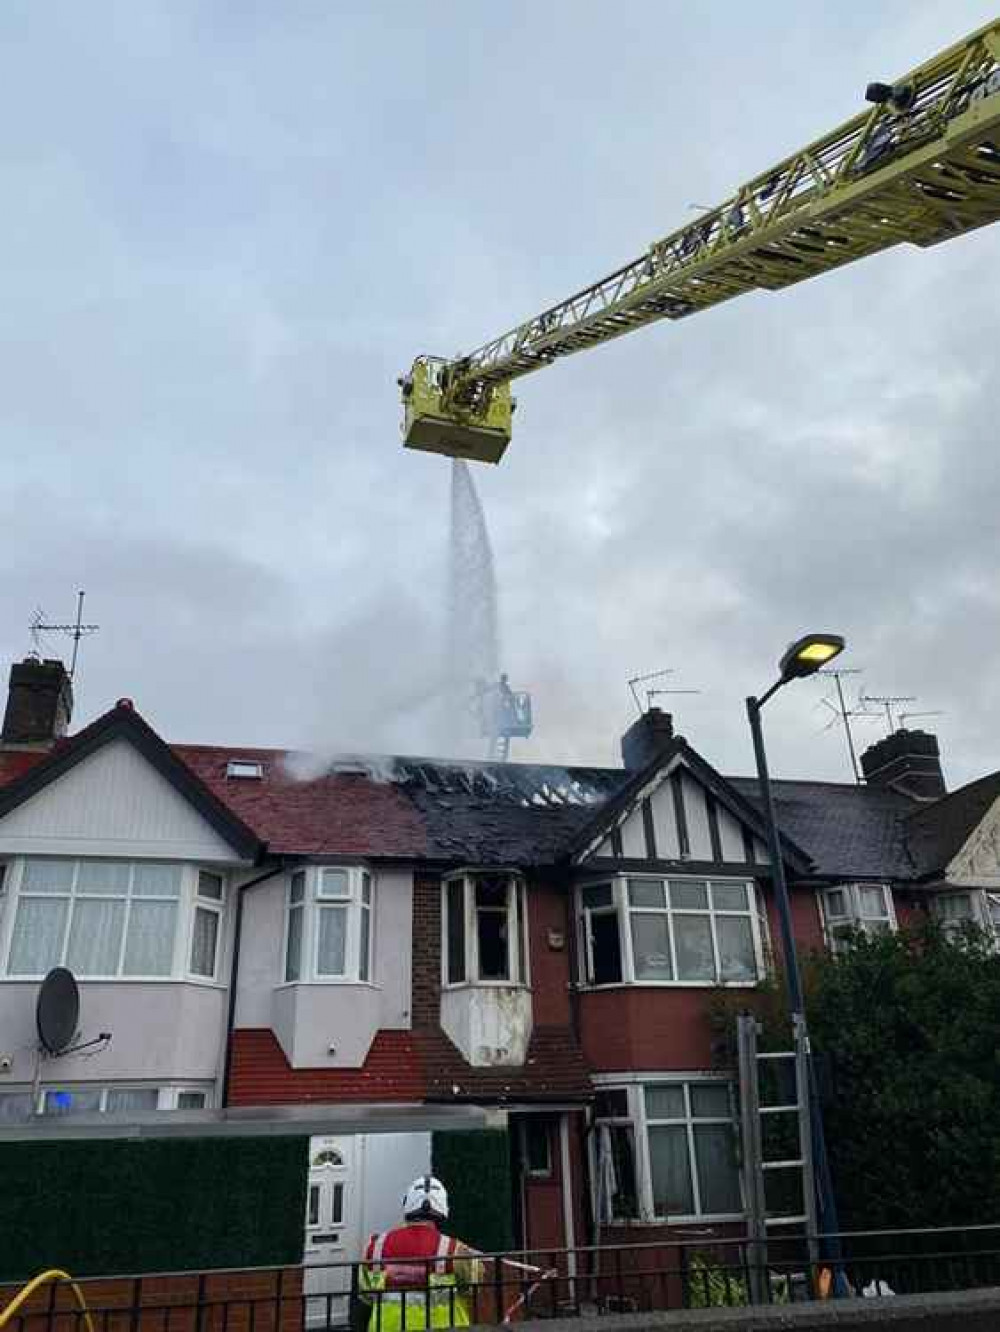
(646, 893)
(191, 1100)
(334, 883)
(313, 1205)
(836, 903)
(123, 1099)
(693, 940)
(718, 1174)
(783, 1192)
(364, 960)
(47, 876)
(616, 1179)
(95, 937)
(107, 877)
(156, 881)
(729, 896)
(39, 927)
(492, 891)
(149, 944)
(293, 946)
(651, 946)
(736, 956)
(688, 896)
(710, 1100)
(331, 958)
(873, 903)
(665, 1102)
(337, 1206)
(297, 888)
(72, 1102)
(14, 1107)
(537, 1148)
(955, 907)
(606, 948)
(491, 938)
(366, 889)
(456, 931)
(520, 929)
(210, 885)
(204, 941)
(597, 895)
(611, 1104)
(670, 1167)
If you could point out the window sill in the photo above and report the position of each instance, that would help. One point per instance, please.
(202, 981)
(329, 980)
(452, 988)
(663, 1222)
(668, 985)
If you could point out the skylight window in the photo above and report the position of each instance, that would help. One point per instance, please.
(246, 769)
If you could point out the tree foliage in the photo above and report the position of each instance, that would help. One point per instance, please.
(908, 1027)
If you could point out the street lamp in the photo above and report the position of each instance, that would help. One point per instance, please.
(802, 658)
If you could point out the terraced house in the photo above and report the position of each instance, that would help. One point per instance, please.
(412, 933)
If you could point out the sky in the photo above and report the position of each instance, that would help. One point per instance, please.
(227, 229)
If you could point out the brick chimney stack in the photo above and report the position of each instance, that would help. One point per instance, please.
(908, 762)
(39, 704)
(648, 736)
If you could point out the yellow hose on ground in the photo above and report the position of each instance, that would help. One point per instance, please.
(36, 1283)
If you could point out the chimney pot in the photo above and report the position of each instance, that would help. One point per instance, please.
(39, 704)
(648, 736)
(908, 762)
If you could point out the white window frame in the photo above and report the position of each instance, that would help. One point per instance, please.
(755, 913)
(359, 900)
(634, 1084)
(215, 906)
(518, 934)
(855, 918)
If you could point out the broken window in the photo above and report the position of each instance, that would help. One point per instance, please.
(603, 946)
(617, 1195)
(485, 930)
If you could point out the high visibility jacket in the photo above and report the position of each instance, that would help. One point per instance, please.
(411, 1277)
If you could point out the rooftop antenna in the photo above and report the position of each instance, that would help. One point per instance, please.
(653, 693)
(843, 711)
(39, 626)
(904, 717)
(888, 701)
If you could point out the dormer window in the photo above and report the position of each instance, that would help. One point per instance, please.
(245, 769)
(484, 930)
(328, 924)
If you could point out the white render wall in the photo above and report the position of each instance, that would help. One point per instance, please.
(113, 803)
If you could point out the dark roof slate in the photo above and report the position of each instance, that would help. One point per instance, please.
(936, 833)
(849, 831)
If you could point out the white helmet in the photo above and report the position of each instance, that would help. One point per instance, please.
(426, 1197)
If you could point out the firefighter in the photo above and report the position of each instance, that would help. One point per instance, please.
(413, 1276)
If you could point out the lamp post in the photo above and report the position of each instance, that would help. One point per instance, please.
(802, 658)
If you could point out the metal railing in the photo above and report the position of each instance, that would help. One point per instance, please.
(508, 1287)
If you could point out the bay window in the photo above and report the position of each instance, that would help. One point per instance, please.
(328, 924)
(111, 919)
(667, 1150)
(972, 907)
(484, 930)
(652, 931)
(857, 906)
(17, 1106)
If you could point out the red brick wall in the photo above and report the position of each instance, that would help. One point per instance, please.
(807, 924)
(426, 970)
(548, 912)
(645, 1029)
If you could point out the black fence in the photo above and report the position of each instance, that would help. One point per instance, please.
(513, 1286)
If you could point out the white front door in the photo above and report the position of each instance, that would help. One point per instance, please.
(331, 1229)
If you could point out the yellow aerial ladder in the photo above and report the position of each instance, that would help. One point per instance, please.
(923, 165)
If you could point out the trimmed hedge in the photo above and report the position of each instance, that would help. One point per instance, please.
(474, 1166)
(99, 1208)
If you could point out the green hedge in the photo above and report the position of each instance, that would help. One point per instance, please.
(475, 1169)
(97, 1208)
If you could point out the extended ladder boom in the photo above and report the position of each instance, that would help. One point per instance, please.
(922, 166)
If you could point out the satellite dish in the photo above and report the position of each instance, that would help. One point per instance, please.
(57, 1011)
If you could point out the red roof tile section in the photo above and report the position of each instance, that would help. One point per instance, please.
(342, 814)
(261, 1075)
